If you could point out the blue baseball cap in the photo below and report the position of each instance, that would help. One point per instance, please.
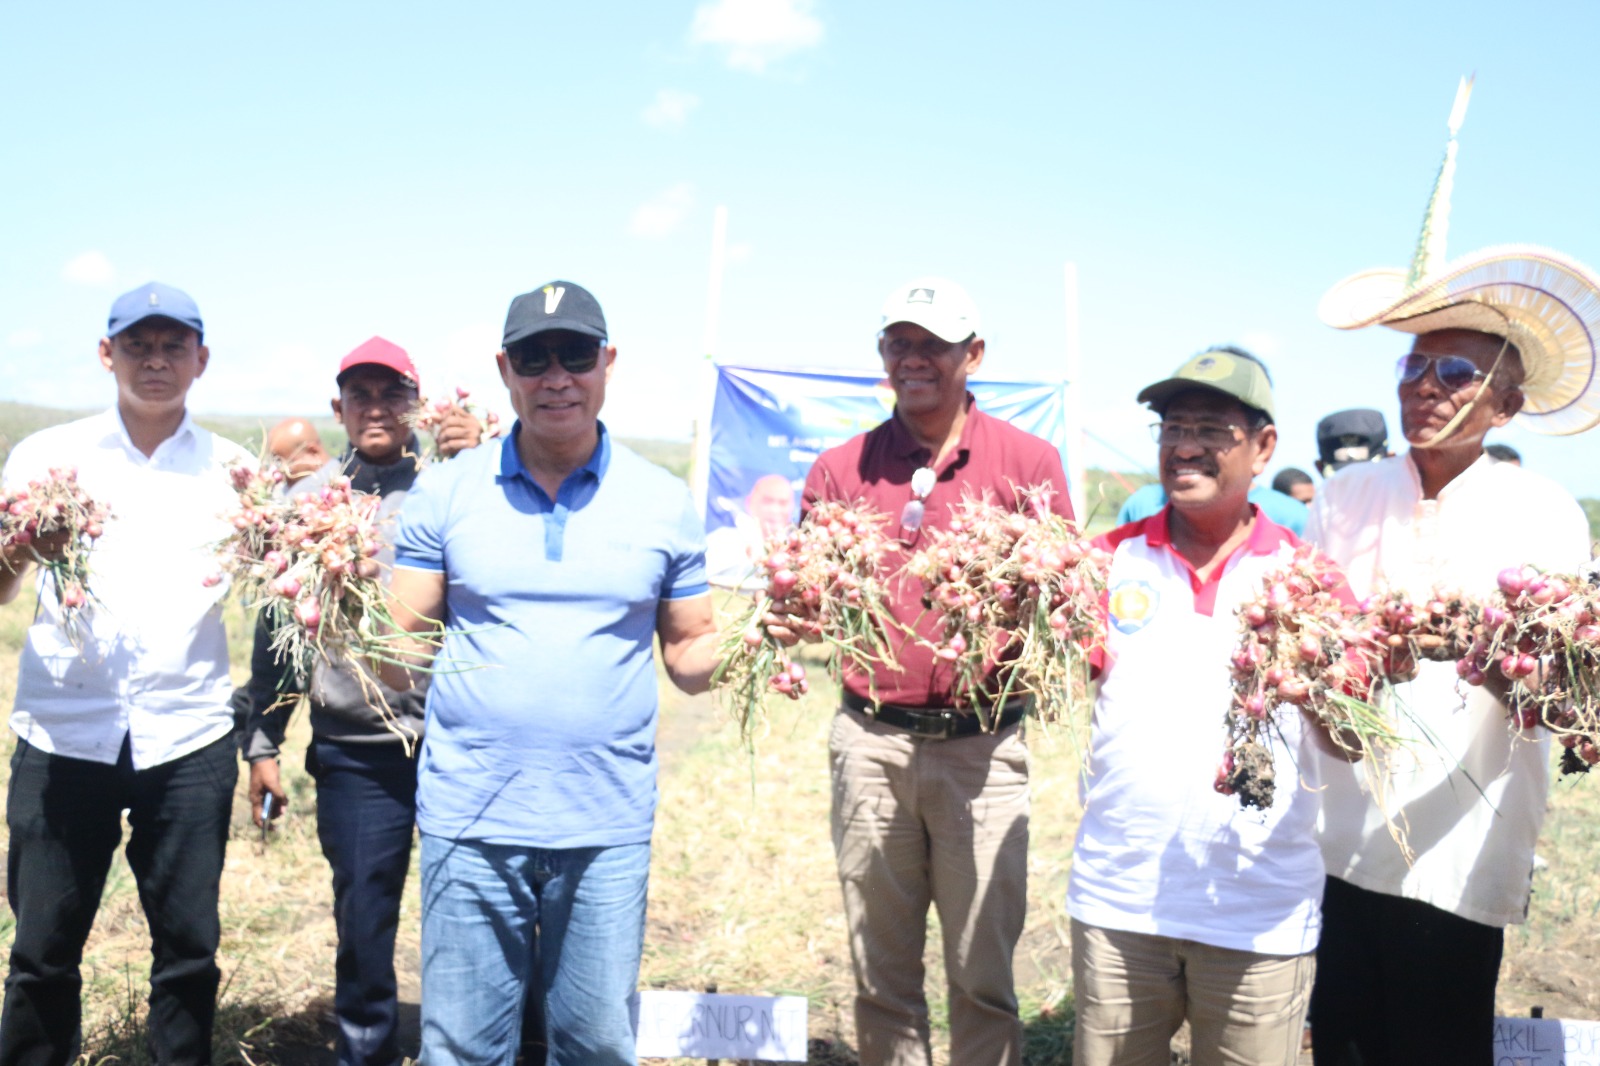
(154, 300)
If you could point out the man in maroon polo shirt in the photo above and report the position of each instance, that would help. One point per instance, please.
(927, 807)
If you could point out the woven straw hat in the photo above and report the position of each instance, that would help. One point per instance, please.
(1545, 303)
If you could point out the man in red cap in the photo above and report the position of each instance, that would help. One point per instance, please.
(361, 759)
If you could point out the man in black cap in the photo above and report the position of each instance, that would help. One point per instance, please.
(1358, 435)
(556, 559)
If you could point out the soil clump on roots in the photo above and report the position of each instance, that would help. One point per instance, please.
(1252, 778)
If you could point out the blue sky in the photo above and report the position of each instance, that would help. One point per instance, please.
(315, 174)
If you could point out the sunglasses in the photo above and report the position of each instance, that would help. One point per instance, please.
(533, 358)
(1453, 371)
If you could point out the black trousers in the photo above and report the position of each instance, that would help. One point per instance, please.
(366, 807)
(65, 817)
(1402, 983)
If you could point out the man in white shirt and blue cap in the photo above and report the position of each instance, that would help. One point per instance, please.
(134, 715)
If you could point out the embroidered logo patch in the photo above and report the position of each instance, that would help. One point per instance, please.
(1132, 605)
(1213, 368)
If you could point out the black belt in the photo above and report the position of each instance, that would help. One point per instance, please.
(941, 724)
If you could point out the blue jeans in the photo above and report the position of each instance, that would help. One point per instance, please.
(497, 919)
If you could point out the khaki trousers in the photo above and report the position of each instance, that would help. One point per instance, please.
(1134, 990)
(943, 821)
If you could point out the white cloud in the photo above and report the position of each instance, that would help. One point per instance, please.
(660, 215)
(24, 338)
(90, 268)
(754, 33)
(670, 109)
(740, 251)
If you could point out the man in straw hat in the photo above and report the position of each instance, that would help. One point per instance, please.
(1411, 944)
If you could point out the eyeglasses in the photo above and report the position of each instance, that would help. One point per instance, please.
(922, 481)
(929, 347)
(1453, 371)
(532, 358)
(1210, 436)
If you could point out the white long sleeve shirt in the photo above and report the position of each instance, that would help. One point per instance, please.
(153, 661)
(1470, 789)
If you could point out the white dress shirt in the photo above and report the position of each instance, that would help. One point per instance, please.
(1470, 789)
(153, 661)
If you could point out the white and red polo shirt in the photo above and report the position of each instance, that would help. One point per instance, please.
(1159, 850)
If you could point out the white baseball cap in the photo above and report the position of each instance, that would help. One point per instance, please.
(938, 305)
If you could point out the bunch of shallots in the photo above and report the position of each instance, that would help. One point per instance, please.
(1300, 645)
(53, 505)
(1440, 629)
(823, 577)
(311, 560)
(1022, 588)
(428, 416)
(1543, 631)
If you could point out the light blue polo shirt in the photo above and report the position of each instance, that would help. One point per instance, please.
(542, 720)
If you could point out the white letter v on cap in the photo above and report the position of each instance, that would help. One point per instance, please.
(552, 297)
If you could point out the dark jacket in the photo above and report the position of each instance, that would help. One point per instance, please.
(342, 704)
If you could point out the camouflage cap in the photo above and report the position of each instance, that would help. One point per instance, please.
(1230, 371)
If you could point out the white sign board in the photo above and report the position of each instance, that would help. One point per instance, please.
(704, 1025)
(1546, 1042)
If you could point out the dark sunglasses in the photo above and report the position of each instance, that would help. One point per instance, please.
(532, 358)
(1453, 371)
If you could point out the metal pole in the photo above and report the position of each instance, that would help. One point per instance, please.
(700, 461)
(1074, 397)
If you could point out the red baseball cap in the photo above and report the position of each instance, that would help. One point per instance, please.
(379, 352)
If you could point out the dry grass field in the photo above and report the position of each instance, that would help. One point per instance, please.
(743, 897)
(743, 893)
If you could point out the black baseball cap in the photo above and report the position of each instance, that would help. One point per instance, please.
(1354, 436)
(558, 305)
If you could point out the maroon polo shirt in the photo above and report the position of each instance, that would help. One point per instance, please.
(992, 458)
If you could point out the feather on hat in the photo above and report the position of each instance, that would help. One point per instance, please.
(1545, 303)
